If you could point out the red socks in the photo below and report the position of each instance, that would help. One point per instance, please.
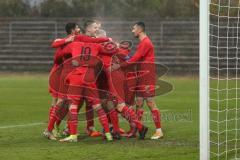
(130, 115)
(156, 118)
(73, 121)
(51, 112)
(61, 114)
(113, 115)
(103, 119)
(52, 117)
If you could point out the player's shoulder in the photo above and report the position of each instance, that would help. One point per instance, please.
(147, 42)
(76, 43)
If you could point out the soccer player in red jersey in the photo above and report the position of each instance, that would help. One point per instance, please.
(87, 49)
(59, 105)
(104, 82)
(144, 56)
(72, 29)
(116, 82)
(90, 27)
(80, 87)
(146, 76)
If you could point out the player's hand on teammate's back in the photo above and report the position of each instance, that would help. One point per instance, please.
(115, 66)
(75, 63)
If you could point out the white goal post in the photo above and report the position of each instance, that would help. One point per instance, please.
(204, 79)
(219, 80)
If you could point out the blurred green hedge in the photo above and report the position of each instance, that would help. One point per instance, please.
(101, 8)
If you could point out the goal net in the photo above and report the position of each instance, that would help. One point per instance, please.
(223, 80)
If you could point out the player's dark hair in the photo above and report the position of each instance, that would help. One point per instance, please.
(141, 24)
(88, 23)
(69, 27)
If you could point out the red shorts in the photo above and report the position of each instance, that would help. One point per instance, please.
(146, 80)
(54, 80)
(145, 91)
(79, 89)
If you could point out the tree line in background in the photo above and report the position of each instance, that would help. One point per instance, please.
(100, 8)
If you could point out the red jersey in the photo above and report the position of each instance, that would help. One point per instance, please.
(79, 38)
(146, 72)
(108, 58)
(87, 52)
(144, 53)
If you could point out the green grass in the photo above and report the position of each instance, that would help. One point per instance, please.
(25, 100)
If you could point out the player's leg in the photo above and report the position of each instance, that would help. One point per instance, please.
(139, 111)
(51, 109)
(48, 134)
(89, 116)
(57, 112)
(139, 107)
(54, 93)
(74, 97)
(130, 116)
(90, 129)
(102, 117)
(92, 95)
(130, 91)
(61, 114)
(116, 87)
(156, 115)
(147, 91)
(72, 123)
(105, 107)
(114, 120)
(66, 131)
(57, 109)
(63, 105)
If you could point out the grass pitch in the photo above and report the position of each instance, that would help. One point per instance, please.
(24, 103)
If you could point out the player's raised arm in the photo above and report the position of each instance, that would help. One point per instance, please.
(88, 39)
(61, 42)
(109, 48)
(72, 30)
(141, 51)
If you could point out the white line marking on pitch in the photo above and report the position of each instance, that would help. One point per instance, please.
(164, 110)
(36, 124)
(21, 125)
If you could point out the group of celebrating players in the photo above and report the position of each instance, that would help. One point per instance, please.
(91, 68)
